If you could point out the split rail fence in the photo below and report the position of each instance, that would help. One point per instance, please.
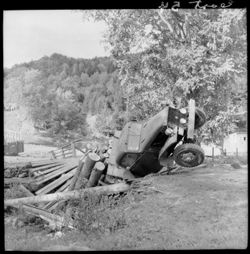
(68, 150)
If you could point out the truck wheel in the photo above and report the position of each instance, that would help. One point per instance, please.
(200, 118)
(189, 155)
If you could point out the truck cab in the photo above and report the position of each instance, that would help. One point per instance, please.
(147, 147)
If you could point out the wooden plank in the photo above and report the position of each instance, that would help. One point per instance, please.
(51, 170)
(43, 179)
(46, 189)
(76, 194)
(32, 170)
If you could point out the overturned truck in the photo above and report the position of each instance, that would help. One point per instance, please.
(167, 138)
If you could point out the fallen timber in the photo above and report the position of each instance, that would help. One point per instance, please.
(76, 194)
(56, 183)
(96, 174)
(63, 188)
(53, 219)
(45, 178)
(44, 167)
(52, 182)
(84, 175)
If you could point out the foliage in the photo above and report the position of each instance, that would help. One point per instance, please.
(166, 56)
(159, 57)
(99, 213)
(59, 91)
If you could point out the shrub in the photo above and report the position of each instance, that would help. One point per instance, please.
(99, 213)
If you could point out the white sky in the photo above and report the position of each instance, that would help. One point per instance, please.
(30, 35)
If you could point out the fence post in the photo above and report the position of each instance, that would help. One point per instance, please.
(213, 155)
(63, 153)
(53, 154)
(73, 149)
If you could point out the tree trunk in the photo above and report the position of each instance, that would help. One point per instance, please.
(90, 161)
(77, 174)
(76, 194)
(96, 174)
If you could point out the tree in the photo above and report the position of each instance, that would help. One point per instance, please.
(166, 56)
(75, 69)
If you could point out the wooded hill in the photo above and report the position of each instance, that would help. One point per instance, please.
(60, 91)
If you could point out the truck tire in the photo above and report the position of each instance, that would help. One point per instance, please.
(189, 155)
(200, 118)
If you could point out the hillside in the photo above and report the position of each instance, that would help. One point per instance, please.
(58, 93)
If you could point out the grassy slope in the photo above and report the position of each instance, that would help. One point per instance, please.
(203, 209)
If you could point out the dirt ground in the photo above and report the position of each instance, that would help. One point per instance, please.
(205, 208)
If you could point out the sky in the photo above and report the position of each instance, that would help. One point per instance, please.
(32, 34)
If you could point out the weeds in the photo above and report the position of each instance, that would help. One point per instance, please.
(13, 191)
(100, 213)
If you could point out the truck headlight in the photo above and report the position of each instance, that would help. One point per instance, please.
(183, 111)
(169, 131)
(183, 121)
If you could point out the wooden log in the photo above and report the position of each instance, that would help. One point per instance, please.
(43, 179)
(96, 174)
(76, 176)
(76, 194)
(53, 219)
(63, 188)
(46, 189)
(89, 163)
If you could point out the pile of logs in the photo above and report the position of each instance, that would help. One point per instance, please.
(51, 182)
